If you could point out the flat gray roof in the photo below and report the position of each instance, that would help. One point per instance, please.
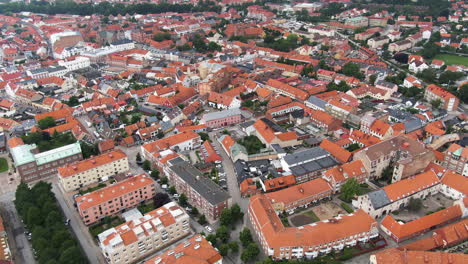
(312, 166)
(201, 184)
(305, 156)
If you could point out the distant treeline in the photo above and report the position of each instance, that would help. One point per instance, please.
(106, 8)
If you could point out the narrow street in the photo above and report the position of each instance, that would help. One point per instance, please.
(87, 243)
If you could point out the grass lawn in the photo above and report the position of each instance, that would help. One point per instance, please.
(312, 215)
(3, 165)
(452, 59)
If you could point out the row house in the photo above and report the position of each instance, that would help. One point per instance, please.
(115, 198)
(400, 45)
(301, 195)
(142, 236)
(403, 231)
(394, 255)
(280, 242)
(325, 121)
(74, 176)
(378, 42)
(287, 90)
(397, 195)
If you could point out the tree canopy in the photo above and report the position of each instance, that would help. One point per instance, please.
(51, 239)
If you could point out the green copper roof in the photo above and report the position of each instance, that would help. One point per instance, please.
(22, 154)
(58, 153)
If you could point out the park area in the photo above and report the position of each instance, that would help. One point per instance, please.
(3, 165)
(323, 211)
(450, 59)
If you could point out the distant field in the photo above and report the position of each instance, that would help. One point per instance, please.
(452, 59)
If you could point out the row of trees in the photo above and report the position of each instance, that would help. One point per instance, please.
(106, 8)
(51, 239)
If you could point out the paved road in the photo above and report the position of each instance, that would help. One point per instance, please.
(87, 243)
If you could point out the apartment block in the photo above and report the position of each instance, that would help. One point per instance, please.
(456, 158)
(74, 176)
(409, 157)
(183, 141)
(195, 250)
(201, 192)
(309, 241)
(144, 235)
(449, 101)
(33, 165)
(223, 118)
(115, 198)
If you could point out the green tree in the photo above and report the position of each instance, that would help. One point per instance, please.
(234, 246)
(436, 103)
(223, 233)
(147, 165)
(450, 76)
(71, 255)
(154, 174)
(172, 190)
(212, 46)
(202, 220)
(224, 249)
(162, 36)
(245, 237)
(226, 218)
(351, 69)
(183, 200)
(428, 75)
(415, 204)
(236, 212)
(46, 122)
(34, 217)
(349, 189)
(204, 136)
(164, 180)
(212, 238)
(250, 253)
(463, 93)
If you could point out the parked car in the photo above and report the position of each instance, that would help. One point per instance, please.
(209, 229)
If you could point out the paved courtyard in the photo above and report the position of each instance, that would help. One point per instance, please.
(322, 211)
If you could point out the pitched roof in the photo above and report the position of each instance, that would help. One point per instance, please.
(338, 152)
(455, 181)
(113, 191)
(87, 164)
(196, 250)
(395, 256)
(408, 186)
(300, 192)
